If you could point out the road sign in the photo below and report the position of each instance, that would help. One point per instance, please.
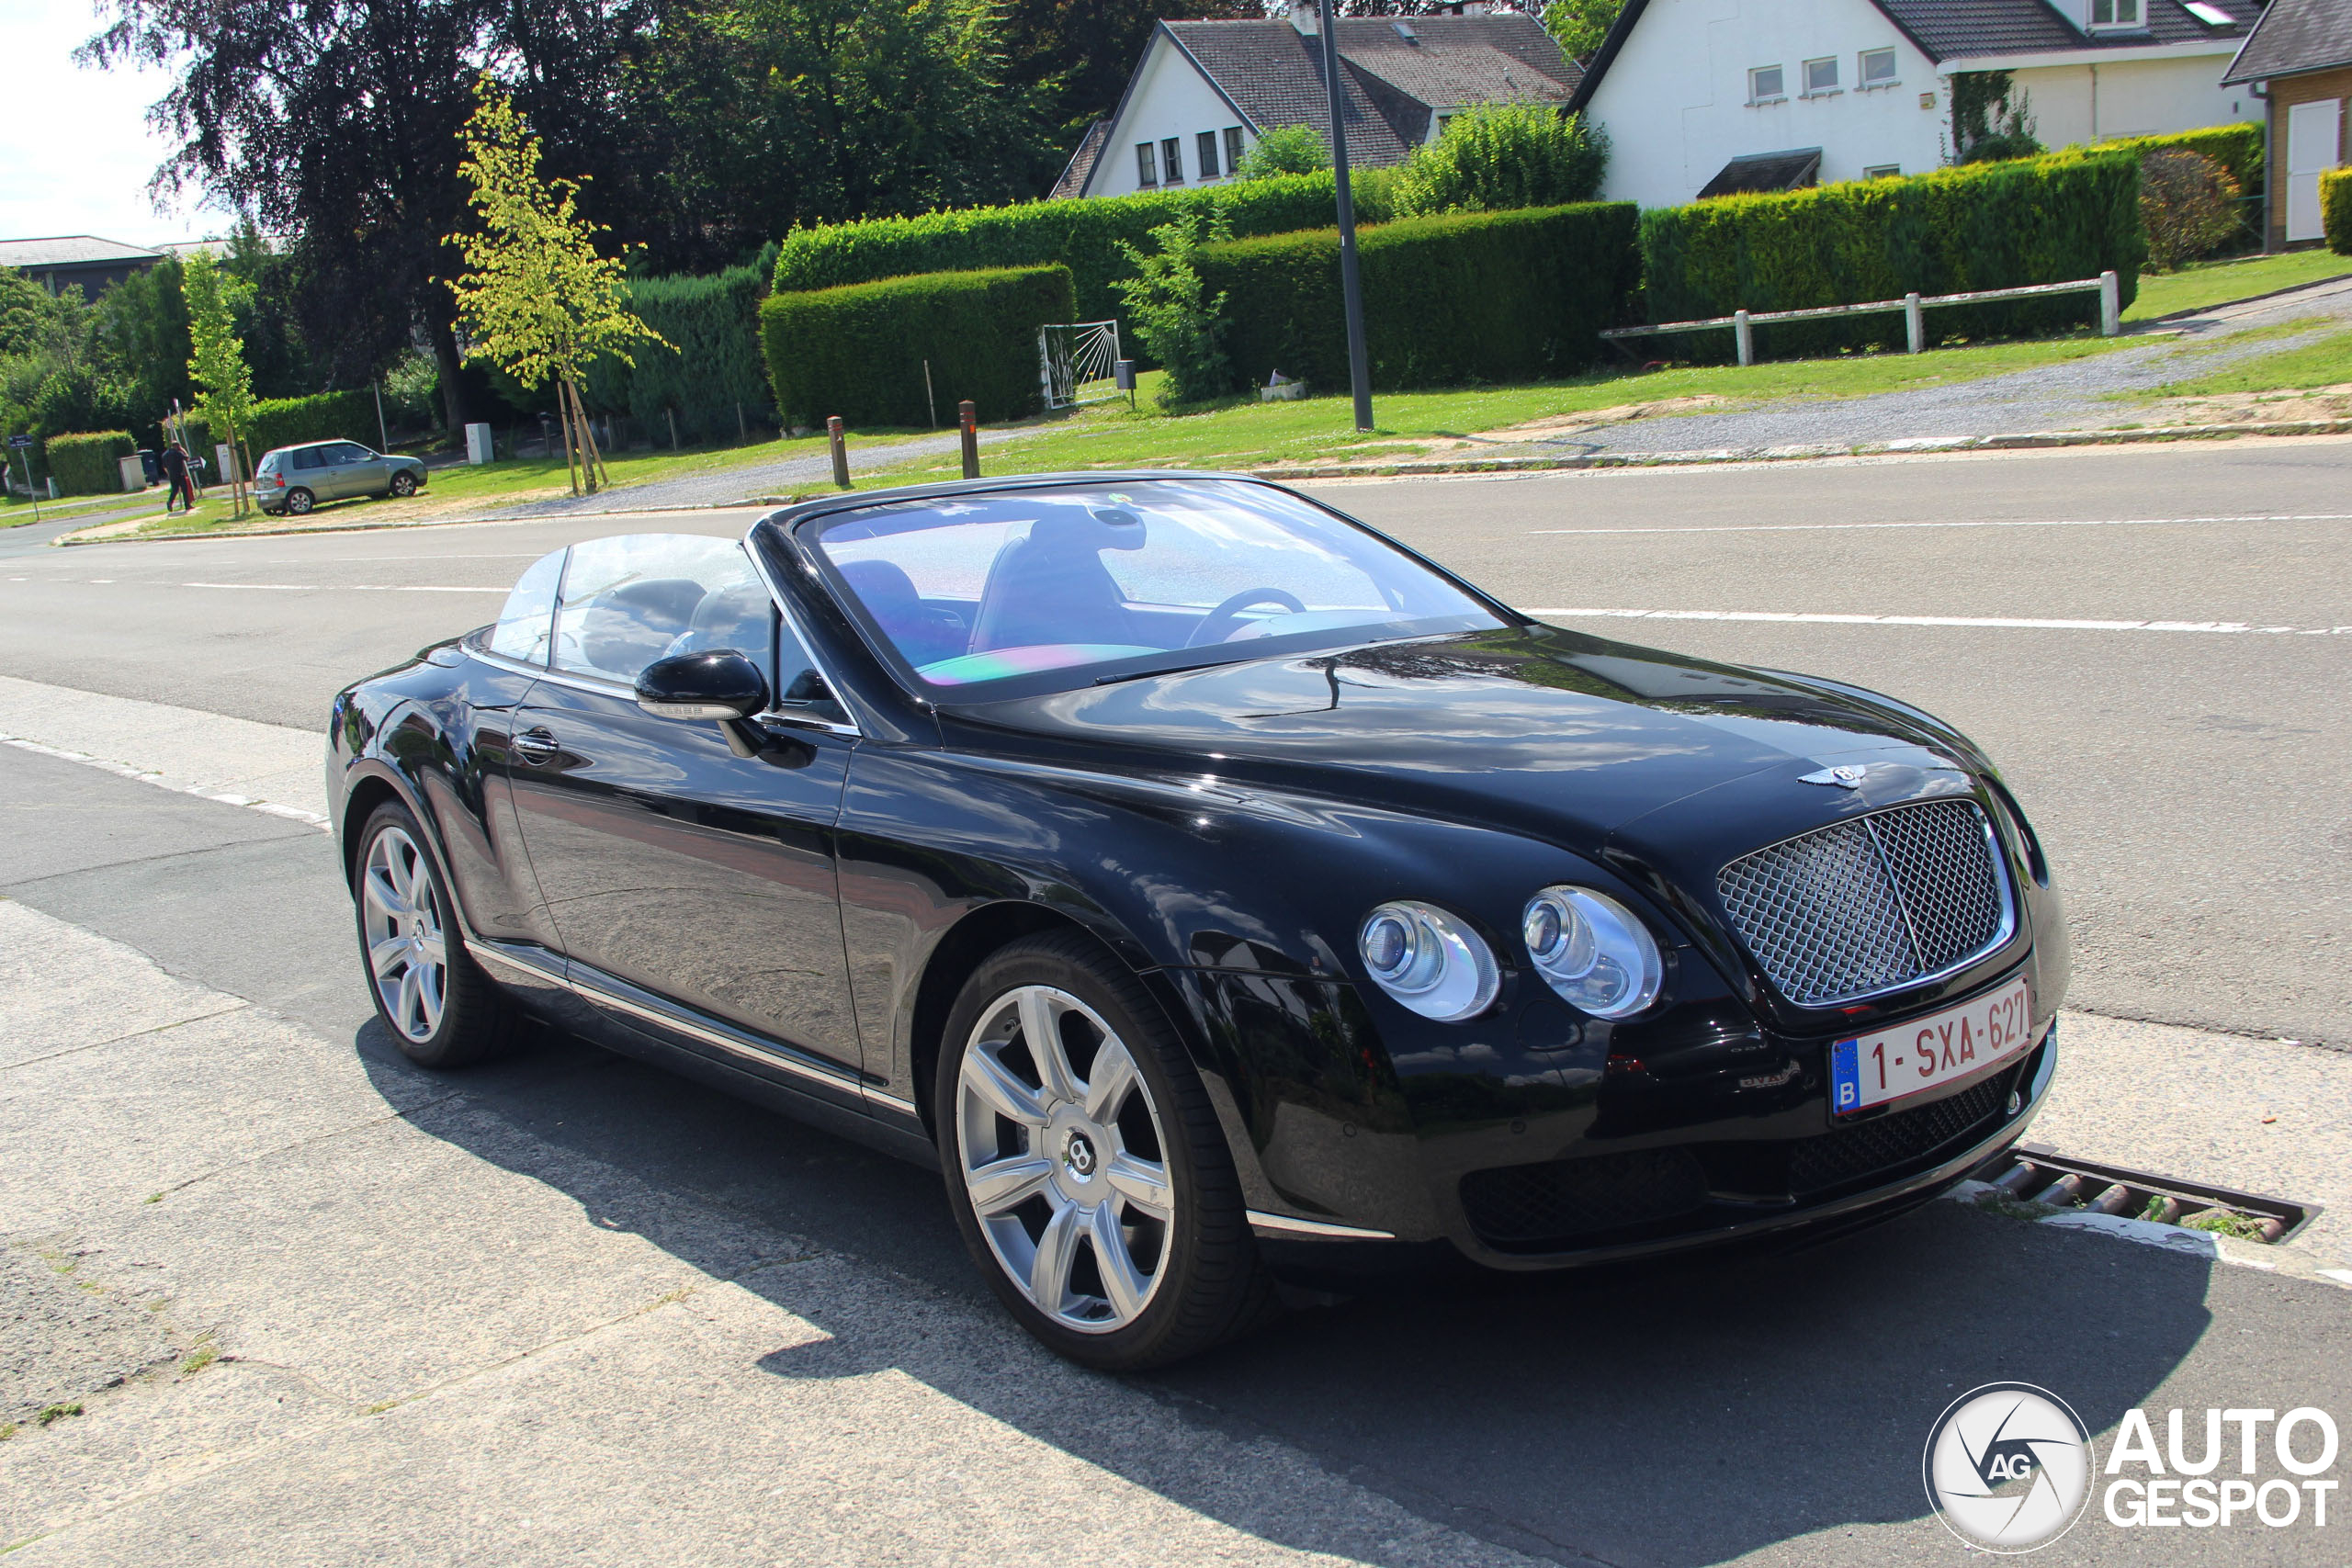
(20, 441)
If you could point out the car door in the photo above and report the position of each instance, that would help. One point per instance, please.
(360, 471)
(688, 884)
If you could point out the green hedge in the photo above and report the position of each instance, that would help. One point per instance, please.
(858, 351)
(1082, 235)
(1998, 225)
(2336, 210)
(2237, 148)
(324, 416)
(1472, 297)
(713, 322)
(86, 464)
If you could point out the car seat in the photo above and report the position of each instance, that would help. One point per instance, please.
(1052, 587)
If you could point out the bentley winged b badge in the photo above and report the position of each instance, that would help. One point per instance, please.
(1843, 778)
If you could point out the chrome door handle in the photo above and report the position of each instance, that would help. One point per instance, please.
(536, 745)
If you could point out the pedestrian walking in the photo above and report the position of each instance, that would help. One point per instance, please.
(175, 477)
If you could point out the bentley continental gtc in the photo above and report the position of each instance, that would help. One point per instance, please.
(1222, 895)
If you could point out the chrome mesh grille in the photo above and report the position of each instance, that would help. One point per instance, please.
(1867, 904)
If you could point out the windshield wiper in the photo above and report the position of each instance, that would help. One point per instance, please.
(1165, 669)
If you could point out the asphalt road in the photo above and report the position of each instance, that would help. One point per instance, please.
(1770, 1408)
(2188, 783)
(462, 1250)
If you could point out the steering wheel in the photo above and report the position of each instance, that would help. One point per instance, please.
(1226, 619)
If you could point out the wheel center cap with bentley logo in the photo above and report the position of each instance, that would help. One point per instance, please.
(1078, 1155)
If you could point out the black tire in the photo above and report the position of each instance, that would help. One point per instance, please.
(403, 484)
(476, 1017)
(298, 501)
(1210, 1284)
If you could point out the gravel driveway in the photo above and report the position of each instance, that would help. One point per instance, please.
(730, 487)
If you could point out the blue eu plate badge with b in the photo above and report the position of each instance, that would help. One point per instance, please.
(1845, 1076)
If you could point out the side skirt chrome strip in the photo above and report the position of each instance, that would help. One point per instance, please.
(1287, 1224)
(618, 995)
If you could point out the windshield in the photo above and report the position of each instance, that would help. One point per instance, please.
(991, 596)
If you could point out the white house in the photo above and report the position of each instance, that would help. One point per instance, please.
(1204, 92)
(1706, 97)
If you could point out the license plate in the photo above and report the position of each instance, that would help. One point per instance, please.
(1871, 1069)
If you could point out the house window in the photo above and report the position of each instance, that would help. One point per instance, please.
(1820, 77)
(1207, 140)
(1232, 148)
(1765, 86)
(2115, 12)
(1876, 68)
(1882, 172)
(1172, 153)
(1147, 165)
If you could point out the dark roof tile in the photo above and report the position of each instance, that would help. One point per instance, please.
(1963, 30)
(2294, 36)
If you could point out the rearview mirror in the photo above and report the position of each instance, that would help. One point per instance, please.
(720, 685)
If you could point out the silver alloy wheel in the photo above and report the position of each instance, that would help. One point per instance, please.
(401, 913)
(1063, 1154)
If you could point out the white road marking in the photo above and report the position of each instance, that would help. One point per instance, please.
(330, 587)
(1973, 523)
(2007, 623)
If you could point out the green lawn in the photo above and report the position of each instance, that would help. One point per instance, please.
(1240, 434)
(465, 489)
(2217, 283)
(2324, 363)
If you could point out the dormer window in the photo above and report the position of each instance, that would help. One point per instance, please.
(2115, 12)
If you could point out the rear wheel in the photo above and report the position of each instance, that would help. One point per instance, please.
(442, 1010)
(299, 501)
(1086, 1168)
(403, 484)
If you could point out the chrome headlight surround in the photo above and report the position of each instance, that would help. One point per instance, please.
(1429, 961)
(1594, 952)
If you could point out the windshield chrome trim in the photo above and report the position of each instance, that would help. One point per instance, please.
(791, 624)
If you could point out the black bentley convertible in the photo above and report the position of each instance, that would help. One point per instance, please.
(1216, 891)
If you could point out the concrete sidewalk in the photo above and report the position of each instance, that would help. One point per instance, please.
(318, 1283)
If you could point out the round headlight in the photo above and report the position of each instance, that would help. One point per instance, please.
(1429, 961)
(1593, 950)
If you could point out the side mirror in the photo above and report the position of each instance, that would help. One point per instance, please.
(720, 685)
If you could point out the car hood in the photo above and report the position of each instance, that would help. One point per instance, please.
(1561, 736)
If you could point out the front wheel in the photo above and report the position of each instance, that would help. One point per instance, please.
(403, 485)
(1086, 1168)
(442, 1010)
(298, 501)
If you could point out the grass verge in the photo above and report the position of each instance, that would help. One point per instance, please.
(2201, 285)
(2326, 362)
(1244, 433)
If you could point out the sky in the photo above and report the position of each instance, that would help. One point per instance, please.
(75, 151)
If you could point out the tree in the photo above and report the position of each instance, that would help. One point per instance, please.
(216, 363)
(536, 298)
(335, 122)
(1493, 157)
(771, 113)
(1177, 322)
(1285, 150)
(1579, 25)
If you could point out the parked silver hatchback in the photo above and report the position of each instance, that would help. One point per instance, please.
(292, 479)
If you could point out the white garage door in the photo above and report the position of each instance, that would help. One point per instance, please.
(2313, 139)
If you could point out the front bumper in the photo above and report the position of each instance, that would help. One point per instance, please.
(1391, 1178)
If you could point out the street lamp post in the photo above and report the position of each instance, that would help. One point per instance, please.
(1351, 275)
